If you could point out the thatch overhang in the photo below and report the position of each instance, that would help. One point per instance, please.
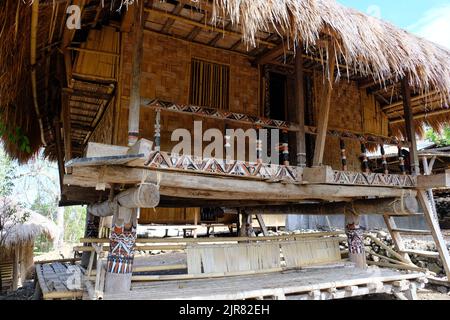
(15, 232)
(371, 52)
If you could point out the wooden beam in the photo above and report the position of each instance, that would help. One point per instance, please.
(435, 181)
(300, 109)
(422, 115)
(197, 186)
(204, 25)
(324, 110)
(386, 206)
(268, 56)
(66, 127)
(410, 126)
(135, 98)
(59, 153)
(170, 21)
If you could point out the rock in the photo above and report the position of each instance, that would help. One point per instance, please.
(375, 258)
(382, 234)
(433, 267)
(442, 289)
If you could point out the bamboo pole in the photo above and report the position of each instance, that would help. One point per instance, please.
(33, 43)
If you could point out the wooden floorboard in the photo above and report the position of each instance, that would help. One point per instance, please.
(287, 283)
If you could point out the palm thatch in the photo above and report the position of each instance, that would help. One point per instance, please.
(14, 234)
(365, 45)
(371, 46)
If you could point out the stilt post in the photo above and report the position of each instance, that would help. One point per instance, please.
(355, 238)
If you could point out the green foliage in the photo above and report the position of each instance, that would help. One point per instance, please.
(7, 174)
(15, 136)
(440, 139)
(74, 224)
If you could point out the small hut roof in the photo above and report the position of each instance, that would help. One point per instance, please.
(34, 226)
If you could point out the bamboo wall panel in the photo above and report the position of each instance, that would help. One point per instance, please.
(89, 63)
(168, 215)
(166, 76)
(104, 131)
(353, 110)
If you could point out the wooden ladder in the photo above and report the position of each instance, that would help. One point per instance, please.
(430, 216)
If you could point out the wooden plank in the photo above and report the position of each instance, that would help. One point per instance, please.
(396, 236)
(95, 150)
(412, 231)
(435, 181)
(435, 231)
(428, 254)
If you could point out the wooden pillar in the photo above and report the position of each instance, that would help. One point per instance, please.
(285, 147)
(157, 135)
(364, 159)
(355, 238)
(259, 145)
(246, 228)
(119, 266)
(384, 160)
(135, 93)
(401, 161)
(324, 111)
(300, 108)
(343, 155)
(410, 126)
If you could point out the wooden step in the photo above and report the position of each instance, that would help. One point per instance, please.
(412, 232)
(429, 254)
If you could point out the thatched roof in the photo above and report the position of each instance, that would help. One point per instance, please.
(35, 224)
(368, 49)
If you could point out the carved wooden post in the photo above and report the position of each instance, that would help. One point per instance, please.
(259, 145)
(364, 159)
(157, 136)
(285, 147)
(401, 160)
(355, 238)
(343, 155)
(121, 253)
(91, 231)
(384, 160)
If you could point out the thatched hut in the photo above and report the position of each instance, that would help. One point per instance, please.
(19, 228)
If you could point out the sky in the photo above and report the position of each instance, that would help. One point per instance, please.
(426, 18)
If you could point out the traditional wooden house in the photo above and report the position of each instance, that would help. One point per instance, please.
(18, 232)
(330, 81)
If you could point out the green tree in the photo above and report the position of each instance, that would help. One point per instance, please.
(7, 174)
(442, 139)
(74, 223)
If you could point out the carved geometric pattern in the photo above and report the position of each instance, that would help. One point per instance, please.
(163, 160)
(269, 123)
(374, 179)
(220, 114)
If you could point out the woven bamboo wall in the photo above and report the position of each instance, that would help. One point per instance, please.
(166, 76)
(104, 131)
(351, 109)
(168, 215)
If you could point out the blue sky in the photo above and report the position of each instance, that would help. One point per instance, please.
(427, 18)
